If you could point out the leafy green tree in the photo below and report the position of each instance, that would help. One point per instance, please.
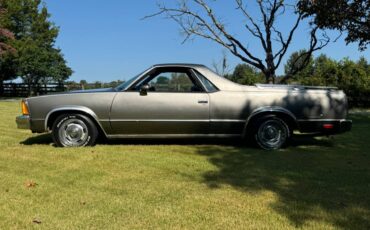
(353, 77)
(98, 85)
(114, 84)
(37, 60)
(363, 63)
(350, 76)
(246, 75)
(352, 17)
(5, 34)
(297, 68)
(162, 80)
(83, 84)
(7, 51)
(324, 73)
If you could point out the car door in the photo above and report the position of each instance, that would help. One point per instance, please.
(174, 103)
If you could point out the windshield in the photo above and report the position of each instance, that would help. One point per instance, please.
(126, 84)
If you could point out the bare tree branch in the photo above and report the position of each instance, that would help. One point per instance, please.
(199, 19)
(315, 45)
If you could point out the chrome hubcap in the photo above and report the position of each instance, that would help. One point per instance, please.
(272, 134)
(73, 132)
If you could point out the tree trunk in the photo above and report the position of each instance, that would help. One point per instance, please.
(270, 73)
(29, 86)
(270, 77)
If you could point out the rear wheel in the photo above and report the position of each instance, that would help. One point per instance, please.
(74, 130)
(272, 133)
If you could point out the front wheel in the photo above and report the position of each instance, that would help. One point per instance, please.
(74, 130)
(272, 133)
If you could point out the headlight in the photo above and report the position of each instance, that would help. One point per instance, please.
(25, 110)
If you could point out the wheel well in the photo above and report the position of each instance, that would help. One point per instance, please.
(288, 119)
(56, 114)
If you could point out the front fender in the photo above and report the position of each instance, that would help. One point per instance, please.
(73, 108)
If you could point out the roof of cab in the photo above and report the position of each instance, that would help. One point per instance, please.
(220, 82)
(178, 65)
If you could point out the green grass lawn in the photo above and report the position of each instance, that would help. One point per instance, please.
(321, 183)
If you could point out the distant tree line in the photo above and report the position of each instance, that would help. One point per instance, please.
(84, 85)
(27, 45)
(351, 76)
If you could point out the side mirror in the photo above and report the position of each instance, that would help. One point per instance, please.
(144, 90)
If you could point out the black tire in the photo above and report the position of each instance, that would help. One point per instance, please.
(74, 130)
(272, 133)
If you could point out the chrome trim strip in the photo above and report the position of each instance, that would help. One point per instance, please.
(228, 120)
(171, 120)
(318, 119)
(160, 136)
(155, 120)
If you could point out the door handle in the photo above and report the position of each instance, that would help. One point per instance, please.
(202, 101)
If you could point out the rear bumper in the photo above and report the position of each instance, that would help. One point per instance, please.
(23, 122)
(328, 127)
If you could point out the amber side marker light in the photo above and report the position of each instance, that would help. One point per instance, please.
(25, 108)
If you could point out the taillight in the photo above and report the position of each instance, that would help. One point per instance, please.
(25, 110)
(328, 126)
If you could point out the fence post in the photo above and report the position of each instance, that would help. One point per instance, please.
(1, 87)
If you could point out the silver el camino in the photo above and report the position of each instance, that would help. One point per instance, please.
(186, 101)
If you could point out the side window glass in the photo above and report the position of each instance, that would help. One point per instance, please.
(172, 82)
(209, 86)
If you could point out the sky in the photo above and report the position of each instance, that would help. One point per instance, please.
(108, 40)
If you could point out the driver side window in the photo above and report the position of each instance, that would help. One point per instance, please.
(171, 81)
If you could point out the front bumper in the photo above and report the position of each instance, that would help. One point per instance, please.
(321, 126)
(23, 122)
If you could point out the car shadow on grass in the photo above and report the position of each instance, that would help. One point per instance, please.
(298, 140)
(41, 139)
(316, 179)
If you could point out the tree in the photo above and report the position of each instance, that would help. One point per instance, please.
(83, 84)
(162, 80)
(327, 70)
(351, 16)
(5, 34)
(114, 84)
(37, 61)
(363, 63)
(350, 76)
(246, 75)
(323, 71)
(354, 78)
(98, 85)
(7, 51)
(197, 18)
(296, 68)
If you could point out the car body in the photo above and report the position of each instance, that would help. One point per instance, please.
(188, 100)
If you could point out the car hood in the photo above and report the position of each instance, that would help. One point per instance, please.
(105, 90)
